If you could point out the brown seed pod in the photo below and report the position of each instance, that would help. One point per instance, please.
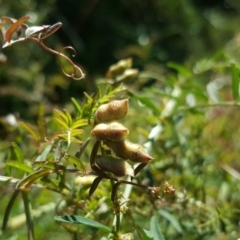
(118, 167)
(127, 75)
(113, 131)
(114, 110)
(127, 150)
(119, 68)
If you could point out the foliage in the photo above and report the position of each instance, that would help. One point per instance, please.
(184, 114)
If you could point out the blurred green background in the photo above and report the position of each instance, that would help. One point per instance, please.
(103, 32)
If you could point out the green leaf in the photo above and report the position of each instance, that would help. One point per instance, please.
(111, 95)
(21, 166)
(147, 235)
(50, 165)
(155, 230)
(147, 102)
(76, 132)
(17, 152)
(62, 118)
(79, 123)
(69, 117)
(235, 81)
(183, 71)
(45, 153)
(62, 123)
(82, 148)
(82, 220)
(76, 106)
(30, 179)
(174, 222)
(8, 209)
(76, 162)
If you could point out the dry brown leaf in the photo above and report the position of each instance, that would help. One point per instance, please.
(14, 27)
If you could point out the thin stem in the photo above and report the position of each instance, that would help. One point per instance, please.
(221, 104)
(39, 41)
(118, 222)
(8, 209)
(28, 213)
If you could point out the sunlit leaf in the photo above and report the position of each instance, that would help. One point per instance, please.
(69, 117)
(76, 106)
(111, 95)
(76, 132)
(62, 116)
(235, 81)
(82, 220)
(89, 98)
(75, 140)
(62, 123)
(20, 166)
(79, 123)
(14, 27)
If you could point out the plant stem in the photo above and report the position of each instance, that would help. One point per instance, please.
(8, 209)
(28, 213)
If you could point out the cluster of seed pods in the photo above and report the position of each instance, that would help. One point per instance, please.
(113, 134)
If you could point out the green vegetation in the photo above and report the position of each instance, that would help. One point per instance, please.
(136, 136)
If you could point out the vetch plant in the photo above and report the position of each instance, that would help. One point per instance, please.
(103, 156)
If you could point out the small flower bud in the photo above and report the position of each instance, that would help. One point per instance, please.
(118, 167)
(114, 110)
(127, 150)
(113, 131)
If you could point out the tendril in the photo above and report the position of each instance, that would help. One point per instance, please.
(76, 69)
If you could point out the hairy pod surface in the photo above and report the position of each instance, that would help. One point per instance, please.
(113, 131)
(118, 167)
(127, 150)
(114, 110)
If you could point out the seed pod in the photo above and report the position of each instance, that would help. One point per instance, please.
(113, 131)
(127, 150)
(119, 68)
(118, 167)
(127, 75)
(114, 110)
